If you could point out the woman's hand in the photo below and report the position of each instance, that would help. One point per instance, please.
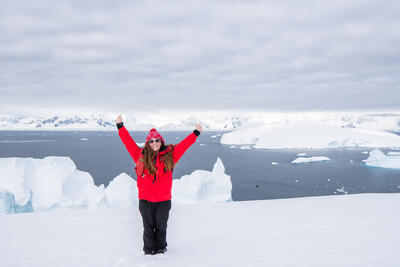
(119, 119)
(198, 127)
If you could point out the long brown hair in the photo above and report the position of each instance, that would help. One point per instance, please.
(149, 155)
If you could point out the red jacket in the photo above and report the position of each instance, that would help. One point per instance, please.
(158, 189)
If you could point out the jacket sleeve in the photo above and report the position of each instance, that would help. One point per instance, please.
(129, 143)
(180, 148)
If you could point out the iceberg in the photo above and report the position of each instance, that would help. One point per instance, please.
(203, 186)
(309, 135)
(7, 203)
(122, 191)
(378, 159)
(30, 184)
(54, 181)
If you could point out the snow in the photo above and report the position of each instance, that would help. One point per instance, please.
(309, 135)
(55, 183)
(340, 230)
(377, 158)
(310, 159)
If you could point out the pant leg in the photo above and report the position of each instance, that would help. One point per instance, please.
(161, 218)
(146, 209)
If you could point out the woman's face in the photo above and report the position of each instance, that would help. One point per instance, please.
(155, 144)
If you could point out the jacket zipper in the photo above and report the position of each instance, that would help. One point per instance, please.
(155, 174)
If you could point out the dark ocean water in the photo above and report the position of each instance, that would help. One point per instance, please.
(253, 176)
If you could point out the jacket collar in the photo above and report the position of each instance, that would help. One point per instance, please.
(163, 149)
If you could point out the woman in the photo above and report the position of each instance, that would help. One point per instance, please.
(155, 163)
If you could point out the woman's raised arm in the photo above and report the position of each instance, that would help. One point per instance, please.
(180, 148)
(126, 138)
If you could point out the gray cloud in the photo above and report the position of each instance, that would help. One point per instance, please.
(273, 55)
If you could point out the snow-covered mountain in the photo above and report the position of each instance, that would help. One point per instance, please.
(179, 121)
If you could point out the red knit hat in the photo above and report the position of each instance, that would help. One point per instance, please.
(154, 134)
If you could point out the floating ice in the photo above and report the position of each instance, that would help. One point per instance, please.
(378, 159)
(309, 159)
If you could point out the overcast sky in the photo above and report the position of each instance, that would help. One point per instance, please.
(120, 56)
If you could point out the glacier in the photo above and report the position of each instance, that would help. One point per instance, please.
(30, 184)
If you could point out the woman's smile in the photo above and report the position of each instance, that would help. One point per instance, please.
(155, 144)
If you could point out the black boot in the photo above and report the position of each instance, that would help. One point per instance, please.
(161, 250)
(151, 252)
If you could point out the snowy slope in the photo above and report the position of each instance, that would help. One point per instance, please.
(346, 230)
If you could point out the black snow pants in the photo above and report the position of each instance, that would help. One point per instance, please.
(155, 216)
